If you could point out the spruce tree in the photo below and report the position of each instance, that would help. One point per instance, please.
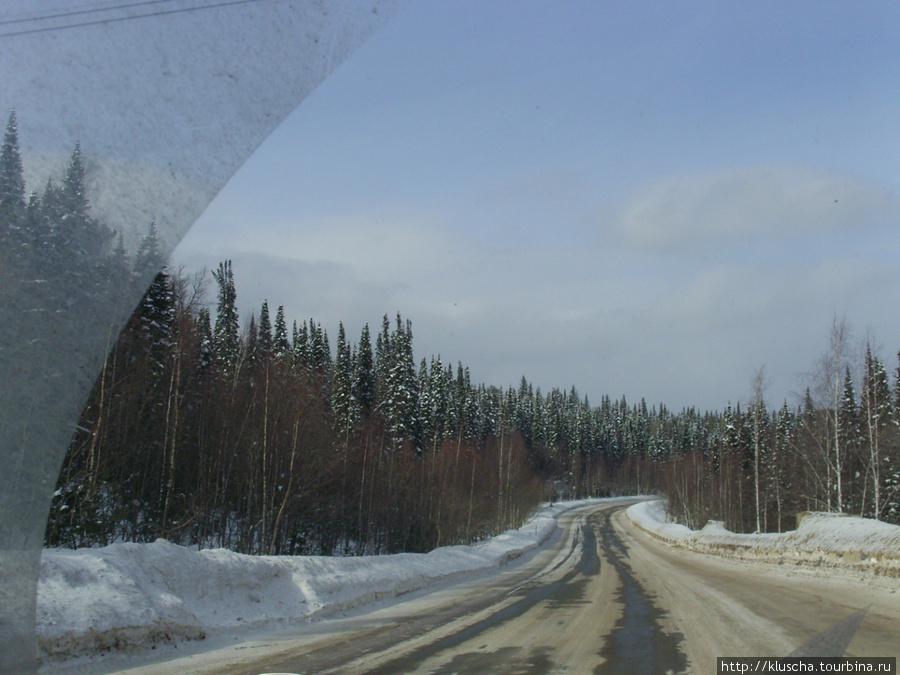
(525, 410)
(35, 234)
(12, 185)
(423, 385)
(343, 403)
(118, 268)
(849, 436)
(782, 480)
(205, 349)
(281, 348)
(404, 384)
(758, 425)
(300, 346)
(251, 344)
(157, 320)
(319, 351)
(226, 342)
(364, 373)
(265, 332)
(383, 356)
(49, 251)
(77, 231)
(396, 384)
(440, 399)
(876, 413)
(149, 259)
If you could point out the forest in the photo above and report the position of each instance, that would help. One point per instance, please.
(252, 433)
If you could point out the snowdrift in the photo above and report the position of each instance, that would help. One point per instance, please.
(128, 596)
(821, 539)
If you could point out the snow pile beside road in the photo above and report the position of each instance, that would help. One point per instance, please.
(820, 539)
(127, 596)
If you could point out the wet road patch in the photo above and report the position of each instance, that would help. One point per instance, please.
(637, 645)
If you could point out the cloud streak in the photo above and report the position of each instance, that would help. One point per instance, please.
(751, 203)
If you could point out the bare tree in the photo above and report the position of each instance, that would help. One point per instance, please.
(827, 379)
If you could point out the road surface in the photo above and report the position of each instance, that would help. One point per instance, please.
(600, 598)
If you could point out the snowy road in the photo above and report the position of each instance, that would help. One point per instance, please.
(601, 597)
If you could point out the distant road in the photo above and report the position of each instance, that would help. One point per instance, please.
(600, 598)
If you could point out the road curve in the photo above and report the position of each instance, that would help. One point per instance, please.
(601, 597)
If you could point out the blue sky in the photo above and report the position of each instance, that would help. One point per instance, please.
(651, 199)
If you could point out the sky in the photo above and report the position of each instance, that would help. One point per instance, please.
(646, 199)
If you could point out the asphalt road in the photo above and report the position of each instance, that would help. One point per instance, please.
(600, 598)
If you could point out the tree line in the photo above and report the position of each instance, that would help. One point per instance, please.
(836, 450)
(263, 437)
(51, 246)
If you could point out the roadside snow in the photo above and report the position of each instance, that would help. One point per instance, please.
(859, 544)
(129, 596)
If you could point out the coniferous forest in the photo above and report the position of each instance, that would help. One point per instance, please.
(263, 435)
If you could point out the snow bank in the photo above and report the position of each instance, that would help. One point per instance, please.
(820, 539)
(127, 596)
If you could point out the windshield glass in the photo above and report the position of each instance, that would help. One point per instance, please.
(120, 115)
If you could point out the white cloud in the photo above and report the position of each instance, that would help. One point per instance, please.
(751, 203)
(377, 245)
(605, 317)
